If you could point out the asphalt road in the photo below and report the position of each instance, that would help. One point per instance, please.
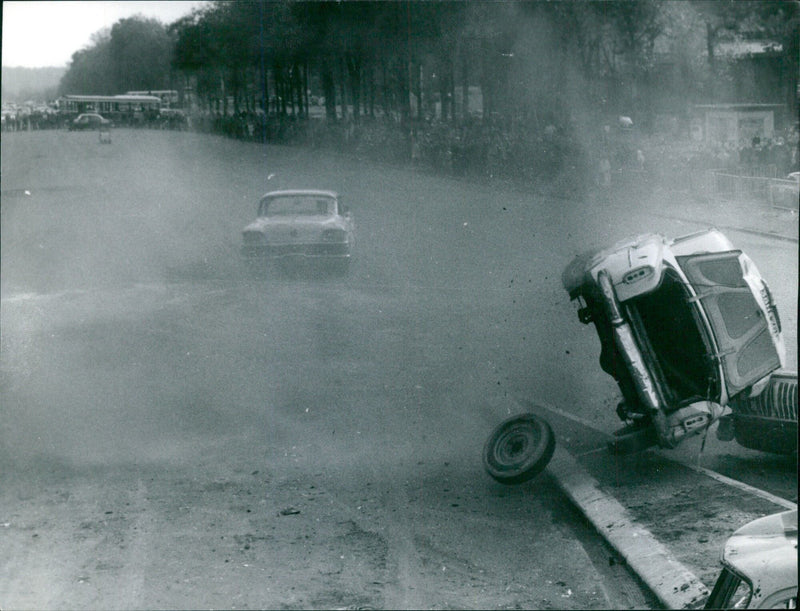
(177, 433)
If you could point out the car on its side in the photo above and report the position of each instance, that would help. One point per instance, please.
(689, 330)
(300, 224)
(759, 566)
(89, 120)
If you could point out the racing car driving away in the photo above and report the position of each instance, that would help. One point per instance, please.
(297, 225)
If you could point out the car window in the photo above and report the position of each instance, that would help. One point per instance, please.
(294, 205)
(730, 592)
(745, 347)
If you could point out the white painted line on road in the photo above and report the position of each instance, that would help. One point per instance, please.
(733, 482)
(569, 416)
(588, 452)
(781, 502)
(675, 586)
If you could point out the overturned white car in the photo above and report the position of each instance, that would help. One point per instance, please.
(689, 330)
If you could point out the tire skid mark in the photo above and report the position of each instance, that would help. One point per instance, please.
(401, 587)
(132, 587)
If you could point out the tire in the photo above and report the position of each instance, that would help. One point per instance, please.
(765, 436)
(519, 449)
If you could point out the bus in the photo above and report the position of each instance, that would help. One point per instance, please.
(169, 97)
(121, 109)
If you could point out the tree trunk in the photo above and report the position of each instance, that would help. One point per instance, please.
(711, 38)
(451, 80)
(404, 80)
(444, 89)
(329, 91)
(305, 86)
(297, 94)
(354, 71)
(224, 95)
(486, 87)
(237, 91)
(385, 95)
(280, 90)
(464, 86)
(343, 88)
(264, 74)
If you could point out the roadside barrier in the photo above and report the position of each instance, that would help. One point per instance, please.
(784, 194)
(774, 192)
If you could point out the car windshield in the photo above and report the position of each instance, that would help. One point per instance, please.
(296, 205)
(730, 592)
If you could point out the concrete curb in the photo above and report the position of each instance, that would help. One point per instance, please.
(764, 234)
(675, 586)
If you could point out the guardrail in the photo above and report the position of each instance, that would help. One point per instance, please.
(784, 194)
(771, 191)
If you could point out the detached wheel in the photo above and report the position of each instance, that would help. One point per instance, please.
(518, 449)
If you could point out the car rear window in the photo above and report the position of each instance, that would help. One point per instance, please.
(292, 205)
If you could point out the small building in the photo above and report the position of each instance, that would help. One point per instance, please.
(737, 123)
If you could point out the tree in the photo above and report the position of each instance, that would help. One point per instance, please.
(140, 49)
(134, 54)
(90, 71)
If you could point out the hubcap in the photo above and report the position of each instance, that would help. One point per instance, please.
(514, 446)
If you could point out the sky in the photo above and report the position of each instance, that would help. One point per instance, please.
(38, 34)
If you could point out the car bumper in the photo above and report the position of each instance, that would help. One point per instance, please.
(278, 251)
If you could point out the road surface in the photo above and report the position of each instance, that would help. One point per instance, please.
(178, 433)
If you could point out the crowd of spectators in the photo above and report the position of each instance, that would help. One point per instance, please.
(516, 150)
(471, 147)
(772, 157)
(19, 120)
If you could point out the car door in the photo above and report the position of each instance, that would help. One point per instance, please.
(746, 349)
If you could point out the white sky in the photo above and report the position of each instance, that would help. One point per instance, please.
(38, 34)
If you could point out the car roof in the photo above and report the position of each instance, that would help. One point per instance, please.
(320, 192)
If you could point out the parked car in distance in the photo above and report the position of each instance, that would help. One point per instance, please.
(174, 118)
(89, 121)
(759, 566)
(293, 225)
